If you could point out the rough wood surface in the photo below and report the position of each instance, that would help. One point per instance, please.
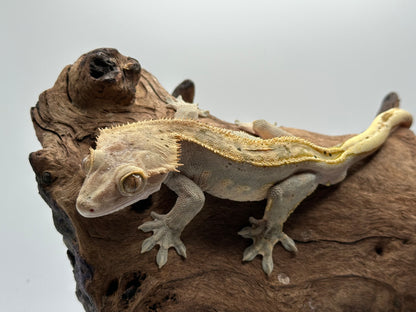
(356, 240)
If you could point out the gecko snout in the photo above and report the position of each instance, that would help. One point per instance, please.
(84, 207)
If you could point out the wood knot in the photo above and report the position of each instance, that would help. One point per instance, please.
(103, 78)
(44, 167)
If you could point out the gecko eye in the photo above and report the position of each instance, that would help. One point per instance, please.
(132, 183)
(86, 164)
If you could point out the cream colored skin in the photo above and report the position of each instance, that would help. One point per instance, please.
(131, 162)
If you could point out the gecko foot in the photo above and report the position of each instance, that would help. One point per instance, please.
(264, 239)
(163, 236)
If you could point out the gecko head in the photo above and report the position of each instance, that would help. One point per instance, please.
(110, 186)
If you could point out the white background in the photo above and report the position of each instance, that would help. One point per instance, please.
(319, 65)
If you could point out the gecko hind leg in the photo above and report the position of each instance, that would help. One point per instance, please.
(282, 200)
(266, 130)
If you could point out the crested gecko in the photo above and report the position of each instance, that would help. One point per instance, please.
(131, 162)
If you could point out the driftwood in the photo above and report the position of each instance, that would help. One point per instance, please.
(356, 240)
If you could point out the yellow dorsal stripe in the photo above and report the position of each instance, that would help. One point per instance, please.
(239, 147)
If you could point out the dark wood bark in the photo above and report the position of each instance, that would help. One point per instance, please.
(356, 240)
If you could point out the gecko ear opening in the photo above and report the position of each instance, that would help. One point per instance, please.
(132, 183)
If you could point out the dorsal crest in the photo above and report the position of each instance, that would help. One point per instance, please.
(162, 138)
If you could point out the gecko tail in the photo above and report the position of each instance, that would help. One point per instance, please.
(378, 132)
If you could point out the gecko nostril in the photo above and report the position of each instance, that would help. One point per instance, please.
(91, 210)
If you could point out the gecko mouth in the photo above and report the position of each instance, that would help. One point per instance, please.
(87, 211)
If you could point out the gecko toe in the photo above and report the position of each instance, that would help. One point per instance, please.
(288, 243)
(267, 264)
(250, 253)
(156, 215)
(253, 231)
(162, 257)
(180, 248)
(148, 244)
(245, 232)
(150, 226)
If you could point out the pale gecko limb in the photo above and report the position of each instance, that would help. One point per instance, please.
(281, 202)
(263, 129)
(185, 110)
(167, 228)
(266, 130)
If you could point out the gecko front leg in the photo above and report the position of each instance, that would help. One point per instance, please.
(167, 228)
(282, 200)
